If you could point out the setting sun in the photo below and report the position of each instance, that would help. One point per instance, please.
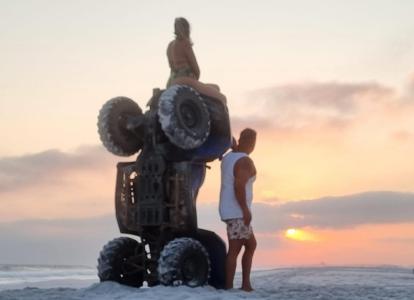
(299, 235)
(291, 232)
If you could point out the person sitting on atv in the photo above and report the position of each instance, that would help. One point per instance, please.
(183, 63)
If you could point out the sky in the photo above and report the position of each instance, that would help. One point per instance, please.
(328, 85)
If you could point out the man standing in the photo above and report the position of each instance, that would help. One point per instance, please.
(236, 194)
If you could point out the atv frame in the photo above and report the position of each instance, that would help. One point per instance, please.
(155, 195)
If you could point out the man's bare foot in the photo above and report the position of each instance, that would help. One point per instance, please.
(247, 288)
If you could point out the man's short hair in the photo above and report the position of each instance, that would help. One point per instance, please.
(247, 136)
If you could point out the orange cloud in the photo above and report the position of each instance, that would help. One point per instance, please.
(317, 139)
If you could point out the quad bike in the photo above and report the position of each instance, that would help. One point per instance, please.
(155, 196)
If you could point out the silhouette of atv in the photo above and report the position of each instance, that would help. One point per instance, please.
(155, 197)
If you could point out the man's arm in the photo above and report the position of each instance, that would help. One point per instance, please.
(243, 171)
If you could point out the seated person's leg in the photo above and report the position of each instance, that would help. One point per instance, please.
(213, 85)
(202, 88)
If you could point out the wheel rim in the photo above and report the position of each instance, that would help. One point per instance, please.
(130, 266)
(122, 122)
(112, 126)
(190, 117)
(189, 114)
(194, 270)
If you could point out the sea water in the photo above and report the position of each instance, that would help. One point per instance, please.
(33, 275)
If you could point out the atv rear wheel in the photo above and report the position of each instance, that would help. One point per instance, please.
(184, 261)
(216, 249)
(112, 126)
(184, 117)
(121, 260)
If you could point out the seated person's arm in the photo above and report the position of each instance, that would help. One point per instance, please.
(189, 53)
(169, 56)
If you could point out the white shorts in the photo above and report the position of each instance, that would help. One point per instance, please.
(237, 230)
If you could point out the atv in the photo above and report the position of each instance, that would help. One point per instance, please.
(155, 195)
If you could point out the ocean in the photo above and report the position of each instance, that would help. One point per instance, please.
(20, 276)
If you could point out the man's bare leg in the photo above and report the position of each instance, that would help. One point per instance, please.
(250, 246)
(231, 261)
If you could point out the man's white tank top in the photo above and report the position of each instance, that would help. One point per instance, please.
(229, 207)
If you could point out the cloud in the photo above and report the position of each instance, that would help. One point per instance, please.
(338, 212)
(328, 212)
(341, 98)
(57, 184)
(79, 240)
(49, 167)
(402, 135)
(59, 241)
(306, 104)
(327, 106)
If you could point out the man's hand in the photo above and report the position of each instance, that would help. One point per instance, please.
(247, 217)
